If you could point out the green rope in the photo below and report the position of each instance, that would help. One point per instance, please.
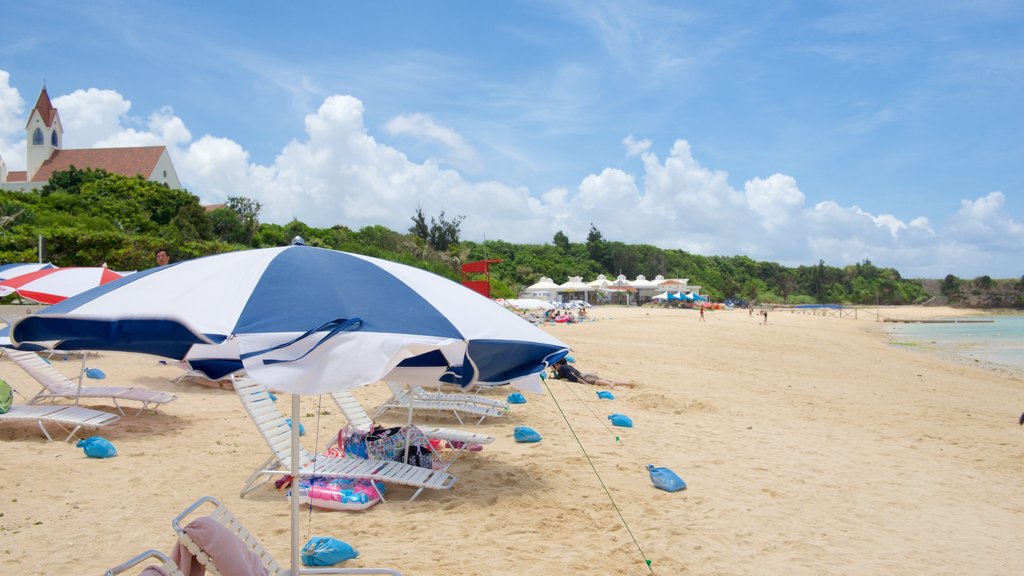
(647, 561)
(603, 422)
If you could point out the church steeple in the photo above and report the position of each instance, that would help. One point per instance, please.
(43, 133)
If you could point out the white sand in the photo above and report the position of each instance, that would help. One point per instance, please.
(810, 446)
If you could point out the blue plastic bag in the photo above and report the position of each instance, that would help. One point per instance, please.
(97, 447)
(272, 397)
(525, 434)
(605, 395)
(324, 551)
(665, 479)
(621, 420)
(95, 374)
(302, 429)
(570, 359)
(515, 398)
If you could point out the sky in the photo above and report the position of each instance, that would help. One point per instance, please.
(792, 132)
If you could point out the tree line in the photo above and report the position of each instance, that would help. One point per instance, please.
(91, 217)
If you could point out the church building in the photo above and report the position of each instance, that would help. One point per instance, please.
(45, 155)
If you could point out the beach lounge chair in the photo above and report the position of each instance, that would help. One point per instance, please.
(56, 385)
(69, 418)
(360, 420)
(190, 549)
(415, 398)
(166, 565)
(277, 433)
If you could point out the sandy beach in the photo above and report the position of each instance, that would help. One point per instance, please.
(811, 445)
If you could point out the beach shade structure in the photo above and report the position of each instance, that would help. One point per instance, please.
(9, 271)
(360, 317)
(53, 285)
(544, 286)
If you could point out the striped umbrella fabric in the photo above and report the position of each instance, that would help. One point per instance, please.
(304, 319)
(53, 285)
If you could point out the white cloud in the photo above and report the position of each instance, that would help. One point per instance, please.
(338, 173)
(635, 147)
(12, 124)
(422, 127)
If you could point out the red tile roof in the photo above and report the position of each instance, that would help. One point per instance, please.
(139, 161)
(17, 176)
(46, 109)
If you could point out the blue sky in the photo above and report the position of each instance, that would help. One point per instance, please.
(786, 131)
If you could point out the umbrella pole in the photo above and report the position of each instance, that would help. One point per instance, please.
(81, 374)
(295, 484)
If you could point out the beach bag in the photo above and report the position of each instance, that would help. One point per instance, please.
(97, 447)
(605, 395)
(665, 479)
(621, 420)
(324, 551)
(6, 396)
(516, 398)
(352, 442)
(525, 434)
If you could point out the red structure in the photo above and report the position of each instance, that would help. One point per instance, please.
(479, 267)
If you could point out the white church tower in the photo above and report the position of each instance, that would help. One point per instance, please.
(43, 133)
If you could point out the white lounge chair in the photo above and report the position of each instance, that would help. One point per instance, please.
(57, 385)
(416, 398)
(360, 420)
(71, 418)
(225, 518)
(166, 564)
(277, 433)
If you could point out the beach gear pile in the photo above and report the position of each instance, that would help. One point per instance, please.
(339, 493)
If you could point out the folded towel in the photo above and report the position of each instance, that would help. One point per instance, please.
(230, 555)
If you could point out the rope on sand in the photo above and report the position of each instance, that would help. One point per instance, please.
(647, 561)
(603, 421)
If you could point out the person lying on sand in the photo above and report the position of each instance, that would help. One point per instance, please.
(562, 370)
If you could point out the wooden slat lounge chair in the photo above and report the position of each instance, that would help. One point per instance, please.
(69, 418)
(277, 433)
(57, 385)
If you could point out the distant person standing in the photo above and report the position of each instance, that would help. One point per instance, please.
(765, 314)
(702, 314)
(162, 257)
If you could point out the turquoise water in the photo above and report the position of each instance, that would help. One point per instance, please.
(1000, 342)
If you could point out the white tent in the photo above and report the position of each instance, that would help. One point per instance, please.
(544, 287)
(575, 285)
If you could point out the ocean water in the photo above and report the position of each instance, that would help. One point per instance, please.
(1000, 342)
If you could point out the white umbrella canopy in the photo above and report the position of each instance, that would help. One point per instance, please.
(545, 284)
(360, 319)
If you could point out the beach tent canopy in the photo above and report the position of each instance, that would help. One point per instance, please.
(575, 284)
(599, 283)
(543, 285)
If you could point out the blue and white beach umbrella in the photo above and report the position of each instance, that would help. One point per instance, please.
(301, 319)
(305, 320)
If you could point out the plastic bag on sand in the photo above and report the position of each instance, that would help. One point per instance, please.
(97, 447)
(324, 551)
(665, 479)
(621, 420)
(525, 434)
(516, 398)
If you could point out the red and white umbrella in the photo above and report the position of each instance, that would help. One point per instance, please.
(53, 285)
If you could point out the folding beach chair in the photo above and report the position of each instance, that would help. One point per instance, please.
(277, 433)
(57, 385)
(223, 517)
(415, 398)
(71, 419)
